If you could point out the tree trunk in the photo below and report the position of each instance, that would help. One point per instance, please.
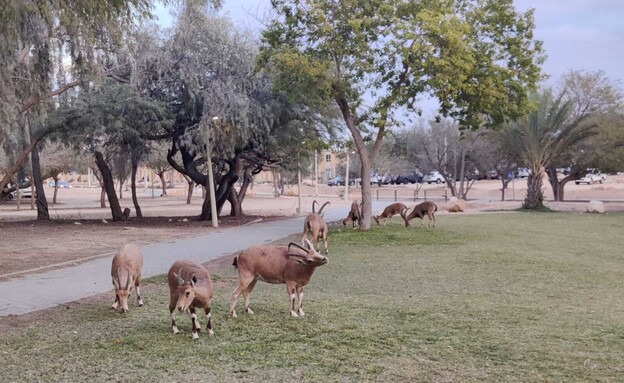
(205, 213)
(236, 208)
(247, 183)
(189, 194)
(162, 183)
(102, 197)
(554, 183)
(56, 180)
(109, 187)
(135, 200)
(236, 199)
(365, 161)
(505, 182)
(121, 188)
(42, 203)
(535, 196)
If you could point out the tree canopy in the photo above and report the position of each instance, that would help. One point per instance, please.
(377, 58)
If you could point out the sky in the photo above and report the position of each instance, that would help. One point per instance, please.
(577, 34)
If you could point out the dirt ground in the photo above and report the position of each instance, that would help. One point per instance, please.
(79, 230)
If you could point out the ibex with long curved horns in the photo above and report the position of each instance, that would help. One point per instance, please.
(276, 264)
(316, 226)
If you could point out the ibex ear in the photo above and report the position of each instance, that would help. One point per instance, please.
(193, 281)
(115, 283)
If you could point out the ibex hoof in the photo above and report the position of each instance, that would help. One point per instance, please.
(294, 314)
(301, 313)
(141, 303)
(210, 332)
(175, 330)
(234, 314)
(249, 311)
(195, 335)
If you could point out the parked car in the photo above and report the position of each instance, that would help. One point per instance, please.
(340, 181)
(61, 184)
(24, 193)
(336, 181)
(492, 175)
(433, 177)
(522, 173)
(409, 178)
(591, 177)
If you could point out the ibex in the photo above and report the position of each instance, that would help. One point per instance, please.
(389, 212)
(316, 226)
(276, 264)
(355, 213)
(419, 211)
(190, 287)
(126, 273)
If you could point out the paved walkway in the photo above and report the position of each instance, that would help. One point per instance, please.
(45, 290)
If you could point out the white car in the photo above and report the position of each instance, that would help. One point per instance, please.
(590, 178)
(433, 177)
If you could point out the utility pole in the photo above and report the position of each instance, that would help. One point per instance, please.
(210, 180)
(315, 174)
(346, 193)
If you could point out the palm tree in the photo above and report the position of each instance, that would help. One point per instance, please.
(542, 135)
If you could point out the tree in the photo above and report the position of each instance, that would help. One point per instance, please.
(56, 159)
(35, 38)
(110, 120)
(377, 57)
(207, 80)
(542, 134)
(157, 161)
(602, 99)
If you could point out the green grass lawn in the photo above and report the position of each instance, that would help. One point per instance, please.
(503, 297)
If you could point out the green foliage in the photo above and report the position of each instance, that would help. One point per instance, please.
(480, 298)
(478, 58)
(112, 117)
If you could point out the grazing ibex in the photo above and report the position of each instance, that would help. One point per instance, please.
(276, 264)
(355, 213)
(190, 287)
(317, 227)
(389, 212)
(126, 273)
(419, 211)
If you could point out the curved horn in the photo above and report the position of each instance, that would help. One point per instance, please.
(297, 246)
(313, 203)
(129, 281)
(323, 207)
(403, 211)
(309, 244)
(178, 278)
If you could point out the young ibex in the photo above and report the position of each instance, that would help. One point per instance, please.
(317, 227)
(276, 264)
(389, 212)
(355, 213)
(126, 273)
(419, 211)
(190, 287)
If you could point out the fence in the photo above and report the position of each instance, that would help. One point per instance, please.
(383, 194)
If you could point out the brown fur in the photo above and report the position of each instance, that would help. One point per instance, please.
(126, 274)
(276, 264)
(390, 211)
(316, 226)
(190, 288)
(355, 214)
(429, 208)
